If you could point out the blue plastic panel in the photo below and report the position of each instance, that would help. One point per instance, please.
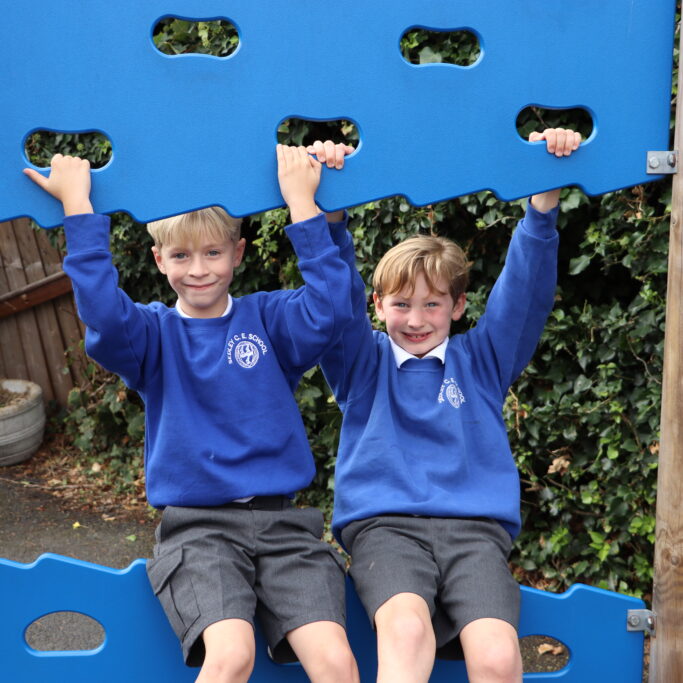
(139, 644)
(194, 130)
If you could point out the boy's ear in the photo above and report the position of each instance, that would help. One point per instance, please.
(158, 259)
(459, 307)
(379, 308)
(239, 252)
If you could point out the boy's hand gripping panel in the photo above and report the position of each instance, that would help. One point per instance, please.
(194, 130)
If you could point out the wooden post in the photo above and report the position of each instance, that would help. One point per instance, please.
(666, 654)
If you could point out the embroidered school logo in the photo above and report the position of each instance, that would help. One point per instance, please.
(246, 354)
(246, 349)
(450, 391)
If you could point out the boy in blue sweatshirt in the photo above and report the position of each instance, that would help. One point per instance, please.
(225, 446)
(426, 488)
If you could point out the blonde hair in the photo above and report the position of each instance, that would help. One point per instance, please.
(185, 228)
(437, 258)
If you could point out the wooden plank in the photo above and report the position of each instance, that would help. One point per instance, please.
(51, 340)
(73, 334)
(52, 256)
(666, 653)
(29, 332)
(65, 307)
(11, 349)
(14, 360)
(35, 293)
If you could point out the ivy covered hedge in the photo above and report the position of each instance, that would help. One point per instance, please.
(584, 417)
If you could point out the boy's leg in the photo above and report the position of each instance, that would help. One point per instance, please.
(396, 576)
(203, 574)
(406, 643)
(479, 597)
(301, 589)
(492, 652)
(230, 652)
(324, 652)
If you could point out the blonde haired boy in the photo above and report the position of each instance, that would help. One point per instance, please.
(225, 446)
(426, 488)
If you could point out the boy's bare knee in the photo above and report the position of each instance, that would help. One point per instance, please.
(408, 633)
(324, 652)
(230, 652)
(337, 662)
(496, 664)
(492, 652)
(404, 625)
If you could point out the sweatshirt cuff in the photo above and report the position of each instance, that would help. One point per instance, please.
(338, 229)
(310, 237)
(86, 232)
(540, 224)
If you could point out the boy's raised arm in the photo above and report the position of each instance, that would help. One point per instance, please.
(311, 317)
(116, 331)
(523, 295)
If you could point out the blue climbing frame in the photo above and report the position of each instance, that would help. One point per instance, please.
(139, 644)
(194, 130)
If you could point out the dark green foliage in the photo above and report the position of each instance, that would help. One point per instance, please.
(42, 145)
(106, 422)
(174, 36)
(583, 418)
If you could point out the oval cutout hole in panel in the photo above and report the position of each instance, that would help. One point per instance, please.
(296, 131)
(543, 654)
(42, 145)
(64, 632)
(177, 36)
(425, 46)
(534, 118)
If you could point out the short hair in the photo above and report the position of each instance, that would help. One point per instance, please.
(188, 227)
(437, 258)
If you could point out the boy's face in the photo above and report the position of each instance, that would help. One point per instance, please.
(421, 320)
(200, 273)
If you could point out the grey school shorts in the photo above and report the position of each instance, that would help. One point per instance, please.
(264, 557)
(458, 566)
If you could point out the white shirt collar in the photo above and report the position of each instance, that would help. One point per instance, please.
(182, 313)
(401, 355)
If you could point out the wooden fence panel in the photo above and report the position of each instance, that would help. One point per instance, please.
(13, 362)
(38, 321)
(72, 328)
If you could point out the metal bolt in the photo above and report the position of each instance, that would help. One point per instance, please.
(634, 620)
(654, 162)
(671, 159)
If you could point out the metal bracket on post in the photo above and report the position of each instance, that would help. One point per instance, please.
(662, 162)
(641, 620)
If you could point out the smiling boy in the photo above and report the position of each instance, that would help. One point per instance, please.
(426, 489)
(225, 445)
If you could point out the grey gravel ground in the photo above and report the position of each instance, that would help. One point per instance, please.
(32, 522)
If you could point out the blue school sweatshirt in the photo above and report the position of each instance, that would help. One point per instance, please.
(428, 438)
(221, 420)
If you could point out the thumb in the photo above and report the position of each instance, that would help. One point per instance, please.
(38, 178)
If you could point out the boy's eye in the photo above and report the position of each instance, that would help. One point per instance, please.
(214, 252)
(179, 255)
(401, 304)
(432, 304)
